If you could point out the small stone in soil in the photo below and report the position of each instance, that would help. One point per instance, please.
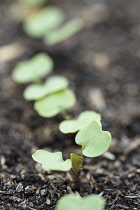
(19, 187)
(29, 190)
(97, 99)
(38, 167)
(48, 202)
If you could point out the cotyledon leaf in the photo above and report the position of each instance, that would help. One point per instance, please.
(55, 103)
(44, 21)
(34, 69)
(34, 92)
(83, 120)
(93, 140)
(52, 161)
(53, 84)
(72, 202)
(64, 32)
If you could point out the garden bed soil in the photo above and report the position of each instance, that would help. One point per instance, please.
(102, 63)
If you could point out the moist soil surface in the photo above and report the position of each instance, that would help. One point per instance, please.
(102, 63)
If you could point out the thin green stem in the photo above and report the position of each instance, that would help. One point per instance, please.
(65, 115)
(82, 154)
(38, 82)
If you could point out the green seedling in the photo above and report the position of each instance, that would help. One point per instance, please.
(52, 85)
(44, 21)
(55, 103)
(32, 3)
(33, 70)
(83, 120)
(64, 32)
(94, 142)
(52, 97)
(73, 202)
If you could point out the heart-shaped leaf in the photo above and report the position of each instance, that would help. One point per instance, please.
(34, 69)
(67, 30)
(53, 84)
(84, 119)
(44, 21)
(52, 161)
(55, 103)
(72, 202)
(93, 140)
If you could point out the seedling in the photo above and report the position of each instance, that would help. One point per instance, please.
(46, 24)
(44, 21)
(33, 70)
(52, 97)
(83, 120)
(72, 202)
(32, 3)
(52, 85)
(55, 103)
(94, 143)
(63, 33)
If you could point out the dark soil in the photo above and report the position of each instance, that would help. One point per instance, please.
(102, 63)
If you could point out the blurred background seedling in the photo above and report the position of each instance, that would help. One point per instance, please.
(34, 69)
(51, 97)
(42, 22)
(73, 202)
(83, 120)
(48, 23)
